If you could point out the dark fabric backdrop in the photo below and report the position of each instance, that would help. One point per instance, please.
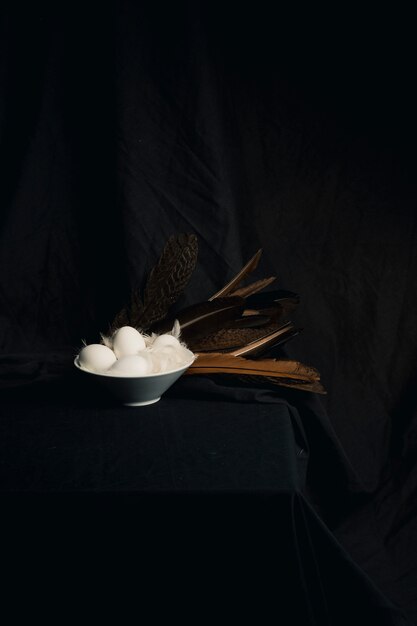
(251, 126)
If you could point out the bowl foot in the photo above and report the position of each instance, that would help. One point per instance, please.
(142, 403)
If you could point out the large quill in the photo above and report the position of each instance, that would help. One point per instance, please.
(269, 326)
(203, 318)
(226, 322)
(302, 385)
(286, 372)
(166, 281)
(250, 266)
(269, 298)
(267, 341)
(253, 288)
(253, 341)
(168, 278)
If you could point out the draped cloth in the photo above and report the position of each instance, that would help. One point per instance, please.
(124, 124)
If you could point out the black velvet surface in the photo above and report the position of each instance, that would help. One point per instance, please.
(173, 445)
(293, 131)
(61, 436)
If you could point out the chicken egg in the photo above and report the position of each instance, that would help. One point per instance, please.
(131, 365)
(127, 341)
(96, 358)
(166, 340)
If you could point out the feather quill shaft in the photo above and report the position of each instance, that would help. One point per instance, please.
(251, 341)
(230, 338)
(250, 266)
(314, 387)
(279, 372)
(249, 321)
(204, 318)
(271, 298)
(253, 288)
(278, 309)
(267, 341)
(212, 363)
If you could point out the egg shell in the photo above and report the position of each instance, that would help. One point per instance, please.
(96, 358)
(165, 340)
(127, 341)
(131, 365)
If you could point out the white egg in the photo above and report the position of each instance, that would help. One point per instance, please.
(165, 340)
(131, 365)
(127, 341)
(96, 358)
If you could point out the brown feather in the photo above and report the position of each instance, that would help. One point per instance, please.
(268, 298)
(203, 318)
(168, 278)
(255, 287)
(136, 308)
(276, 313)
(267, 341)
(227, 339)
(249, 321)
(315, 387)
(166, 281)
(250, 266)
(239, 319)
(120, 319)
(212, 363)
(230, 338)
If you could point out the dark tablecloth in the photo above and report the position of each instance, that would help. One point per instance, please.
(265, 462)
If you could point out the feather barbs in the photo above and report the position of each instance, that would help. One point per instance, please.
(285, 370)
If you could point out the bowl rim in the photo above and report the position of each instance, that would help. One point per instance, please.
(151, 375)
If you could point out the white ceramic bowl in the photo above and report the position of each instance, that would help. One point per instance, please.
(136, 390)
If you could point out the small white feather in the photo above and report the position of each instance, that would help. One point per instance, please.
(176, 330)
(107, 341)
